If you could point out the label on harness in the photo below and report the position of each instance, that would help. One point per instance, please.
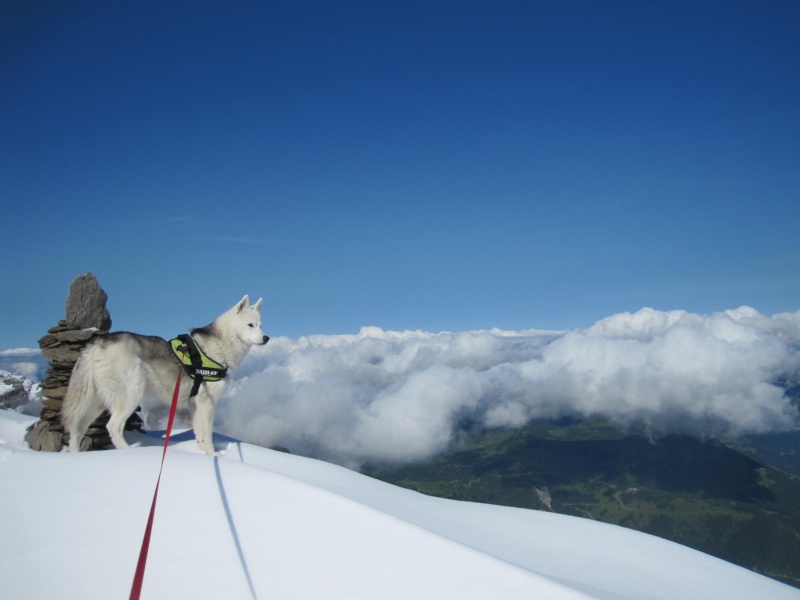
(195, 362)
(207, 372)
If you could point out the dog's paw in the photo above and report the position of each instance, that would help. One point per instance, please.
(208, 449)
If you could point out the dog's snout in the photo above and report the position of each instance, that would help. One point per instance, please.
(266, 339)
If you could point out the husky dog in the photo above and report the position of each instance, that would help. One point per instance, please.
(117, 370)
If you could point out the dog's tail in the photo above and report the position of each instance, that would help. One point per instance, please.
(81, 405)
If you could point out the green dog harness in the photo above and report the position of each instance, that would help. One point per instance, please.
(197, 365)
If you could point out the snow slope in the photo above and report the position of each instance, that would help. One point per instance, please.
(255, 523)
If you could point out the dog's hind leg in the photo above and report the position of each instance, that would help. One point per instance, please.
(82, 404)
(77, 429)
(121, 398)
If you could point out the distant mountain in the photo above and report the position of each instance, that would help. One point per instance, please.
(19, 393)
(781, 450)
(699, 493)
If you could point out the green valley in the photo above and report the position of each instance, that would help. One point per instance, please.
(700, 493)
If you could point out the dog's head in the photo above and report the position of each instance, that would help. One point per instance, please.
(248, 321)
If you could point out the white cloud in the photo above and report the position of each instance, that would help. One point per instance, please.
(402, 396)
(28, 369)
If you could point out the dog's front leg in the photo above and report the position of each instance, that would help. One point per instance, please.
(203, 421)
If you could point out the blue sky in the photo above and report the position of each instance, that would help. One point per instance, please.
(409, 165)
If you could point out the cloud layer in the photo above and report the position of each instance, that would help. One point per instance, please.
(403, 396)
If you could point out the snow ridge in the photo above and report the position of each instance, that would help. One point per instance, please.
(255, 523)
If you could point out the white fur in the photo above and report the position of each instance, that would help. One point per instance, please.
(116, 371)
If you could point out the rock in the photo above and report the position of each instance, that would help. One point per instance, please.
(63, 354)
(41, 437)
(62, 326)
(87, 317)
(58, 393)
(48, 340)
(86, 304)
(51, 382)
(76, 335)
(65, 366)
(50, 414)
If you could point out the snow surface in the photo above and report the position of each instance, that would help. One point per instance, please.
(255, 523)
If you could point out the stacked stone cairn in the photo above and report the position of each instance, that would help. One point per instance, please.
(87, 318)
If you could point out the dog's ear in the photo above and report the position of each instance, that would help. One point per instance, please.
(257, 305)
(242, 303)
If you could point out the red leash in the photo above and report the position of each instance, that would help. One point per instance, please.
(138, 578)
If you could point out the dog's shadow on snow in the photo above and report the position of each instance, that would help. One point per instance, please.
(183, 439)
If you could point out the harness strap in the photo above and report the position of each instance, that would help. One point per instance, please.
(199, 367)
(196, 386)
(197, 362)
